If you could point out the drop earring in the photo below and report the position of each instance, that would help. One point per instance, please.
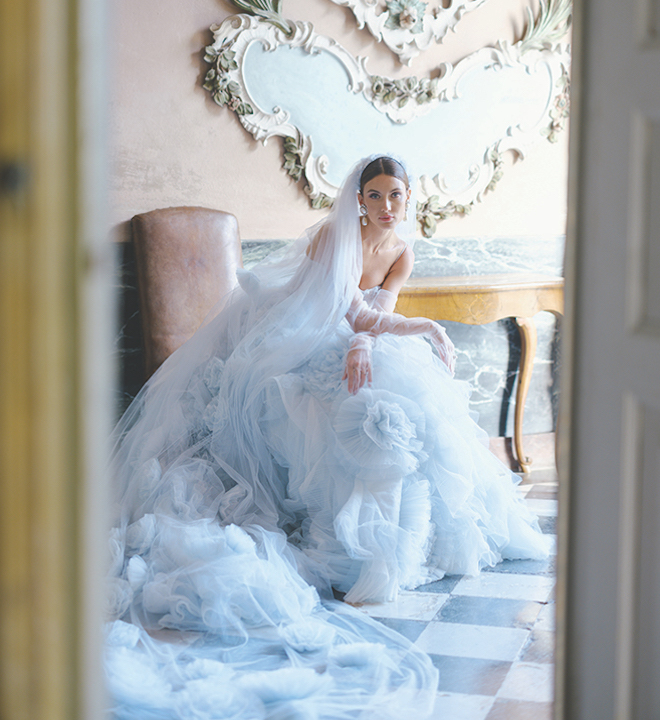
(363, 213)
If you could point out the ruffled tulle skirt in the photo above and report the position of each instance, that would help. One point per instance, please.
(395, 486)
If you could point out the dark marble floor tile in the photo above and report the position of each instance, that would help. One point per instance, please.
(489, 611)
(410, 629)
(446, 585)
(525, 567)
(548, 524)
(519, 710)
(540, 647)
(470, 676)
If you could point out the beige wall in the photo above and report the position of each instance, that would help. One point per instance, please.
(171, 145)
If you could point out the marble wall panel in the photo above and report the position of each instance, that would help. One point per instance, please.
(128, 337)
(488, 355)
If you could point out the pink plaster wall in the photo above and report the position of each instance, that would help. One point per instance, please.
(171, 145)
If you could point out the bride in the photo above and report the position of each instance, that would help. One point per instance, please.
(306, 440)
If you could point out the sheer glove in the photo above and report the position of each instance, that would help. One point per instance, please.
(358, 362)
(364, 319)
(385, 301)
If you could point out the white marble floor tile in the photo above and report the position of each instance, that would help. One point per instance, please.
(528, 681)
(542, 507)
(513, 586)
(455, 706)
(408, 606)
(541, 476)
(546, 618)
(472, 641)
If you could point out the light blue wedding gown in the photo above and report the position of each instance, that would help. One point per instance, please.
(250, 483)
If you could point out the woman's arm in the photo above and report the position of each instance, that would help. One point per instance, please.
(372, 321)
(367, 322)
(364, 319)
(358, 359)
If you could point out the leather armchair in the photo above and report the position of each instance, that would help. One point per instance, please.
(186, 260)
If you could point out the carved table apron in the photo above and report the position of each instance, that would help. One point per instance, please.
(480, 299)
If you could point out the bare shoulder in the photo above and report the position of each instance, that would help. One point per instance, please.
(406, 260)
(403, 265)
(400, 270)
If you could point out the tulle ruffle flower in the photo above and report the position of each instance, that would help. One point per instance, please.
(141, 534)
(213, 375)
(122, 634)
(210, 698)
(357, 654)
(283, 683)
(216, 415)
(118, 597)
(381, 429)
(307, 635)
(323, 374)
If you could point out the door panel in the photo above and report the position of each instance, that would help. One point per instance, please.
(610, 634)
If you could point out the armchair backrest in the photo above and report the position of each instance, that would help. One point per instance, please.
(186, 260)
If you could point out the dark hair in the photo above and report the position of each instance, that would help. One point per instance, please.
(383, 166)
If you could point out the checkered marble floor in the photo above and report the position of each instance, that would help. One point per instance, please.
(491, 637)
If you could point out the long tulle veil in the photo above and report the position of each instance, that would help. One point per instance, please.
(270, 324)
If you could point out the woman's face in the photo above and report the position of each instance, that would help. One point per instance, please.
(385, 197)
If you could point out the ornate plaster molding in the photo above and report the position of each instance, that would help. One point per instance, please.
(270, 10)
(403, 101)
(408, 27)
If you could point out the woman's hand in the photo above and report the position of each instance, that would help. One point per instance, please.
(358, 362)
(443, 345)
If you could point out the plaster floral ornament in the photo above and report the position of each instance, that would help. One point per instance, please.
(408, 27)
(431, 212)
(270, 10)
(561, 110)
(400, 91)
(294, 151)
(406, 14)
(453, 126)
(218, 82)
(549, 26)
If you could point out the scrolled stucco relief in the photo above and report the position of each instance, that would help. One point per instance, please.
(283, 79)
(408, 27)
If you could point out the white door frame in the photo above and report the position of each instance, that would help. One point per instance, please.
(609, 554)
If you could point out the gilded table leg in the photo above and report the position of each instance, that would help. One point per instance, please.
(527, 330)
